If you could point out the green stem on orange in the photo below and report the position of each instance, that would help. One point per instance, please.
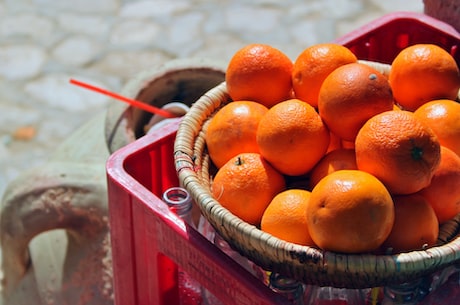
(238, 161)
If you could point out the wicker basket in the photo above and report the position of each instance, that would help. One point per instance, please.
(307, 264)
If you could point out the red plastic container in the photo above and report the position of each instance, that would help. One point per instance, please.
(149, 241)
(382, 39)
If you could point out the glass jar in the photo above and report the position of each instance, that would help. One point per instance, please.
(289, 288)
(336, 296)
(180, 202)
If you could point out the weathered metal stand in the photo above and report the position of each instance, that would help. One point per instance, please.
(69, 193)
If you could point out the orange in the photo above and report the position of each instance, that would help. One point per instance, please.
(333, 161)
(443, 116)
(334, 142)
(350, 95)
(443, 193)
(286, 217)
(245, 185)
(396, 107)
(415, 227)
(261, 73)
(397, 148)
(232, 130)
(292, 137)
(421, 73)
(350, 211)
(313, 65)
(348, 144)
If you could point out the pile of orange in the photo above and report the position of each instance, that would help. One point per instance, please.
(329, 151)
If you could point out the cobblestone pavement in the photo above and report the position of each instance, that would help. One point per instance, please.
(44, 43)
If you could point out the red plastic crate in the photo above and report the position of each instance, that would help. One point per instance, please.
(148, 240)
(382, 39)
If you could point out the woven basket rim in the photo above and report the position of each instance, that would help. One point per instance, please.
(329, 268)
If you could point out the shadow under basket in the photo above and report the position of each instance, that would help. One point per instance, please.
(307, 264)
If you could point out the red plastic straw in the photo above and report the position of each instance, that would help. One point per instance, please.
(134, 103)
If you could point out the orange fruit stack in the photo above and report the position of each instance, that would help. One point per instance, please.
(337, 159)
(350, 95)
(350, 211)
(287, 131)
(285, 217)
(313, 65)
(233, 130)
(336, 154)
(443, 116)
(398, 149)
(415, 227)
(246, 184)
(421, 73)
(443, 192)
(260, 73)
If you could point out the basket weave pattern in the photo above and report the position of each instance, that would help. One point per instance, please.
(307, 264)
